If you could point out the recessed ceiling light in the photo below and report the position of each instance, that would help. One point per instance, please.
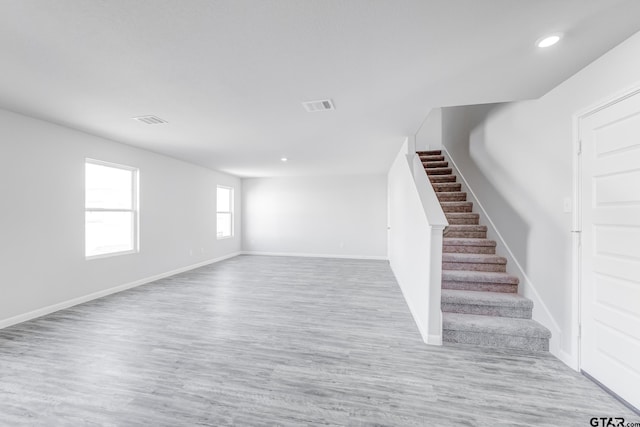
(283, 159)
(549, 40)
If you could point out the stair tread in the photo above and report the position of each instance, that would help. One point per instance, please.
(443, 187)
(479, 276)
(451, 194)
(435, 164)
(494, 325)
(503, 299)
(451, 197)
(467, 241)
(473, 258)
(463, 216)
(455, 203)
(429, 153)
(442, 178)
(431, 158)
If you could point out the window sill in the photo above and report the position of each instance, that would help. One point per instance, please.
(111, 254)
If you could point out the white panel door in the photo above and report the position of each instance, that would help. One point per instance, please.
(610, 251)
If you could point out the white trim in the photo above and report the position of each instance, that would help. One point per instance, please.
(112, 254)
(99, 294)
(110, 164)
(134, 210)
(308, 255)
(576, 227)
(434, 340)
(568, 359)
(541, 312)
(231, 212)
(609, 101)
(576, 282)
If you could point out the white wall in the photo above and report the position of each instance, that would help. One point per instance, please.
(42, 217)
(429, 136)
(343, 216)
(518, 159)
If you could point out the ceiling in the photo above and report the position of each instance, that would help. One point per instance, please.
(230, 75)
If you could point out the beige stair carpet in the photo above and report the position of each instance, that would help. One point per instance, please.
(480, 301)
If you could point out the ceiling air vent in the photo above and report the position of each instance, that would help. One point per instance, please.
(322, 105)
(150, 120)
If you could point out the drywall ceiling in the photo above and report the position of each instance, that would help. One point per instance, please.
(230, 76)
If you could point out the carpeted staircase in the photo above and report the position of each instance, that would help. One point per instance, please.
(480, 304)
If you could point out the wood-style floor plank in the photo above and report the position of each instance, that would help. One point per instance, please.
(256, 341)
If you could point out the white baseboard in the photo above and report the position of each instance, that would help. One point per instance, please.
(434, 340)
(95, 295)
(541, 312)
(568, 359)
(308, 255)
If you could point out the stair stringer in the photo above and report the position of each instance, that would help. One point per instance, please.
(526, 288)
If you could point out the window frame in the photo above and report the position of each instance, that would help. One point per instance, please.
(230, 211)
(135, 208)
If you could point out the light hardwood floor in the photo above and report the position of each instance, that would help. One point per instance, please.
(274, 341)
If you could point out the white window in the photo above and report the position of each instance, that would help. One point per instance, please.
(111, 209)
(225, 212)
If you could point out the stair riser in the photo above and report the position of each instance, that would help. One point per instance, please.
(459, 249)
(430, 165)
(425, 159)
(438, 171)
(470, 277)
(480, 286)
(442, 178)
(447, 187)
(452, 197)
(457, 208)
(475, 231)
(498, 268)
(466, 234)
(488, 310)
(496, 340)
(467, 228)
(463, 221)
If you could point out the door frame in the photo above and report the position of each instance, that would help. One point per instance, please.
(576, 223)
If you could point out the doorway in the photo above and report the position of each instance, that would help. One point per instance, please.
(608, 178)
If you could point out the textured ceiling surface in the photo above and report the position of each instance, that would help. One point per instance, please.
(230, 76)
